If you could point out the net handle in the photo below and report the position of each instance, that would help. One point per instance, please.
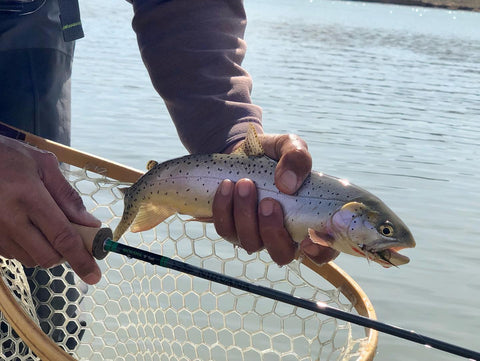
(75, 157)
(48, 350)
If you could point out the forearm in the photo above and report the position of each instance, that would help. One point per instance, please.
(193, 51)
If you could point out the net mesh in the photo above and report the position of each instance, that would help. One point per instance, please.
(143, 312)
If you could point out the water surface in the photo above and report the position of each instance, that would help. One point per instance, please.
(386, 96)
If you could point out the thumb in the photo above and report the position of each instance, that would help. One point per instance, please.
(294, 160)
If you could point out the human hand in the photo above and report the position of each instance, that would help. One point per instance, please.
(239, 218)
(37, 207)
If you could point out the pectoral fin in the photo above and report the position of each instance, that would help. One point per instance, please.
(323, 239)
(150, 215)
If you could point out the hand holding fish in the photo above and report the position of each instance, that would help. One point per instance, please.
(239, 218)
(325, 212)
(37, 207)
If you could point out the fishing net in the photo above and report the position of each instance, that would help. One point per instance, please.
(143, 312)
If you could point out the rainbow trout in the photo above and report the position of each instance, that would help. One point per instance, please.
(331, 211)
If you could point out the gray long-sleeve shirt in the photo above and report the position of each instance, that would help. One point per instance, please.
(193, 51)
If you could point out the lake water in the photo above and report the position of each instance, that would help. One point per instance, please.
(386, 96)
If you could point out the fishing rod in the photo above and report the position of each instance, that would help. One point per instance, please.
(102, 244)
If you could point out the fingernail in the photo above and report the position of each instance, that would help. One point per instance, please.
(289, 180)
(266, 208)
(93, 278)
(226, 188)
(243, 189)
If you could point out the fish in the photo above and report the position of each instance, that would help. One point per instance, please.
(330, 211)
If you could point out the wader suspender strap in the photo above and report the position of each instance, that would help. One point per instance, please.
(70, 20)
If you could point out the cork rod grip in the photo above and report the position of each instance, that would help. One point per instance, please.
(94, 238)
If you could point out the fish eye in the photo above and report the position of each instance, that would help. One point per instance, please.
(386, 229)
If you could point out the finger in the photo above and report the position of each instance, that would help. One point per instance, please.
(245, 215)
(36, 246)
(295, 162)
(22, 241)
(12, 250)
(222, 209)
(294, 165)
(67, 198)
(61, 235)
(276, 238)
(317, 253)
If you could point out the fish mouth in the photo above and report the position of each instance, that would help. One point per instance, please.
(386, 257)
(390, 257)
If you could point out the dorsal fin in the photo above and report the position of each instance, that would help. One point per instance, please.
(251, 145)
(151, 164)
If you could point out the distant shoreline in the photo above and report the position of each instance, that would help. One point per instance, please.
(468, 5)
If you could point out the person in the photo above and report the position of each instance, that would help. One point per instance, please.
(193, 52)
